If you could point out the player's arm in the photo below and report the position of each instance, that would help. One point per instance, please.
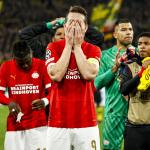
(14, 108)
(105, 75)
(58, 70)
(87, 67)
(3, 84)
(128, 82)
(3, 99)
(30, 35)
(12, 105)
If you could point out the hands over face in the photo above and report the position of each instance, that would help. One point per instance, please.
(75, 32)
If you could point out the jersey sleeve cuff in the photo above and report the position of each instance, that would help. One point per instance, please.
(46, 102)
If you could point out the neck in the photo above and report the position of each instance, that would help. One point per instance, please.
(123, 47)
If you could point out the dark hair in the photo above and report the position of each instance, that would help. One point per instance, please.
(122, 20)
(144, 34)
(94, 36)
(80, 10)
(52, 32)
(21, 49)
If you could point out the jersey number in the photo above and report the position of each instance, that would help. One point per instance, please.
(93, 144)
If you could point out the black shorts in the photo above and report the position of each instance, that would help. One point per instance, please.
(137, 137)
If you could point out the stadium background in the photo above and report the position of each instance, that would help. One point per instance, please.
(16, 14)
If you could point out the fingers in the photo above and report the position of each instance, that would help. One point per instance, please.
(14, 108)
(79, 33)
(146, 63)
(69, 26)
(118, 53)
(14, 112)
(38, 104)
(69, 32)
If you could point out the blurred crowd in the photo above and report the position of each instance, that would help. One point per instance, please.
(17, 14)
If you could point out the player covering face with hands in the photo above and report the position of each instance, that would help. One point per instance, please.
(72, 64)
(75, 29)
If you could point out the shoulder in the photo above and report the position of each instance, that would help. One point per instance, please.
(7, 66)
(89, 45)
(59, 44)
(8, 62)
(109, 51)
(38, 61)
(89, 48)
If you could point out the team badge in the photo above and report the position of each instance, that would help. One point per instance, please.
(35, 75)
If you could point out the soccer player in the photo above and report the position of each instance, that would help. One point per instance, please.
(137, 133)
(26, 79)
(72, 65)
(116, 106)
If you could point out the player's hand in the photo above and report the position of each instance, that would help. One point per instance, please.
(69, 33)
(38, 104)
(14, 108)
(131, 52)
(58, 22)
(146, 63)
(79, 34)
(117, 61)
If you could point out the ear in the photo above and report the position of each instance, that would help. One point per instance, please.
(115, 35)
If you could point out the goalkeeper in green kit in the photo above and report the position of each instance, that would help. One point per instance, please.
(116, 106)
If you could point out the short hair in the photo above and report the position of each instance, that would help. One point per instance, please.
(21, 49)
(122, 20)
(144, 34)
(52, 32)
(80, 10)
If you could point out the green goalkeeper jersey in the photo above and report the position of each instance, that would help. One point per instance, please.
(115, 104)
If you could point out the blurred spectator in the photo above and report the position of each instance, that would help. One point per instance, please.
(17, 14)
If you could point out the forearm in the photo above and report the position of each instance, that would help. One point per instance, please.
(87, 69)
(3, 99)
(128, 86)
(32, 31)
(104, 79)
(59, 69)
(30, 35)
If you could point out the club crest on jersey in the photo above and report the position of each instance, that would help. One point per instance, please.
(35, 75)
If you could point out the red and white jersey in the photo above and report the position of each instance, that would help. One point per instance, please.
(72, 100)
(23, 88)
